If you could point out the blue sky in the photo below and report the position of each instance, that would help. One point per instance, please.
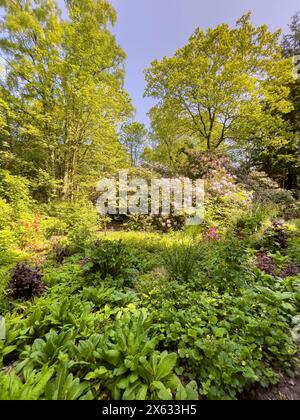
(150, 29)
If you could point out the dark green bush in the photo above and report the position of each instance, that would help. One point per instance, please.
(224, 265)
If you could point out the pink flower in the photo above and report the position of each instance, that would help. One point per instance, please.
(212, 233)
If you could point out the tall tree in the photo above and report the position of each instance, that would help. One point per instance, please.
(133, 135)
(226, 86)
(291, 48)
(65, 84)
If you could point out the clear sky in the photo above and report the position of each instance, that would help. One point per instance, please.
(150, 29)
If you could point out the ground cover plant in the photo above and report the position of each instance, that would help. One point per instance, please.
(145, 332)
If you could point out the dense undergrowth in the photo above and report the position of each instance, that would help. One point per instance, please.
(151, 317)
(208, 312)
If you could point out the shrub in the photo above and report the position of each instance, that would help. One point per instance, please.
(276, 237)
(8, 240)
(293, 249)
(26, 282)
(139, 223)
(291, 269)
(15, 213)
(223, 265)
(79, 221)
(200, 164)
(14, 191)
(52, 226)
(165, 224)
(266, 190)
(109, 259)
(6, 213)
(253, 220)
(61, 252)
(265, 263)
(180, 260)
(226, 199)
(80, 237)
(170, 223)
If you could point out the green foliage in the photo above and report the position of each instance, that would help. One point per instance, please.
(47, 350)
(31, 388)
(65, 387)
(275, 238)
(78, 221)
(63, 95)
(165, 224)
(227, 342)
(220, 332)
(132, 369)
(110, 259)
(293, 249)
(14, 192)
(139, 223)
(205, 314)
(133, 136)
(223, 265)
(16, 214)
(62, 252)
(207, 93)
(254, 219)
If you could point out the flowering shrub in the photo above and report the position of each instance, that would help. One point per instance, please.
(253, 220)
(213, 234)
(30, 231)
(267, 191)
(225, 198)
(144, 223)
(138, 223)
(201, 164)
(169, 223)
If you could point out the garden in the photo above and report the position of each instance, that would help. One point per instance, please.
(144, 306)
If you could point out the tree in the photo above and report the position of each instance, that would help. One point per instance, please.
(226, 86)
(291, 41)
(291, 48)
(65, 85)
(133, 136)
